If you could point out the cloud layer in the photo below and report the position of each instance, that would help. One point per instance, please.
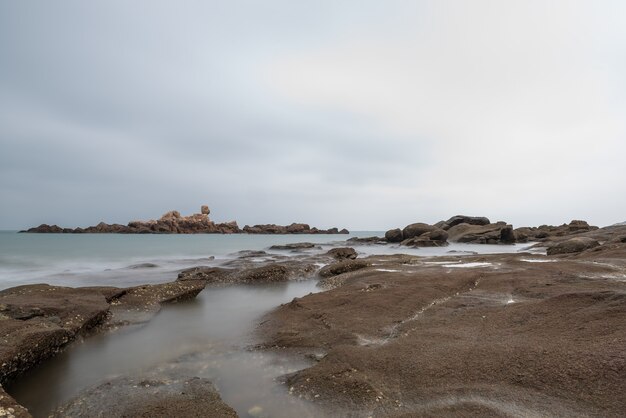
(365, 115)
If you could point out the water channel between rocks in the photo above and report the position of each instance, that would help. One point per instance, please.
(207, 337)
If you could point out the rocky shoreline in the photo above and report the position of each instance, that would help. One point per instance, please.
(522, 334)
(174, 223)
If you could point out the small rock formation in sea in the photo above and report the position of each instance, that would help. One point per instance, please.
(173, 222)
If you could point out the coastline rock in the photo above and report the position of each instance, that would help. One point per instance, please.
(157, 397)
(367, 240)
(394, 235)
(416, 229)
(572, 245)
(498, 233)
(209, 274)
(46, 229)
(294, 228)
(294, 246)
(462, 219)
(418, 235)
(269, 273)
(342, 253)
(547, 232)
(542, 338)
(36, 321)
(341, 267)
(9, 407)
(173, 222)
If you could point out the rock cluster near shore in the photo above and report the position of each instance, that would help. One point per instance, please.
(480, 230)
(174, 223)
(460, 228)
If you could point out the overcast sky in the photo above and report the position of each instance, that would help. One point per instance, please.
(358, 114)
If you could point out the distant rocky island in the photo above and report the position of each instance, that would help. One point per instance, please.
(174, 223)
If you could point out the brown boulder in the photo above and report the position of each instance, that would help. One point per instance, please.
(498, 233)
(463, 219)
(416, 229)
(342, 253)
(204, 209)
(394, 235)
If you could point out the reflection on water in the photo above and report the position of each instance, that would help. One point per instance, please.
(205, 337)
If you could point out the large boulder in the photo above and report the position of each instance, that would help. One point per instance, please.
(498, 233)
(342, 253)
(572, 245)
(394, 235)
(417, 229)
(463, 219)
(204, 209)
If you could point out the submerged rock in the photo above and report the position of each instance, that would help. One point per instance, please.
(342, 253)
(149, 397)
(294, 246)
(342, 267)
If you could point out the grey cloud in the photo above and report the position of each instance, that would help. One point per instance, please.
(357, 114)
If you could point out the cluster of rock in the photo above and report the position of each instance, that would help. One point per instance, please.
(547, 232)
(460, 228)
(294, 228)
(174, 223)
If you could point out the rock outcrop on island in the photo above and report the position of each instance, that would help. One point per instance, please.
(294, 228)
(174, 223)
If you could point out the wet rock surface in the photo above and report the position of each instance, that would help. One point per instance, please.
(572, 245)
(342, 253)
(151, 396)
(341, 267)
(272, 272)
(472, 335)
(38, 321)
